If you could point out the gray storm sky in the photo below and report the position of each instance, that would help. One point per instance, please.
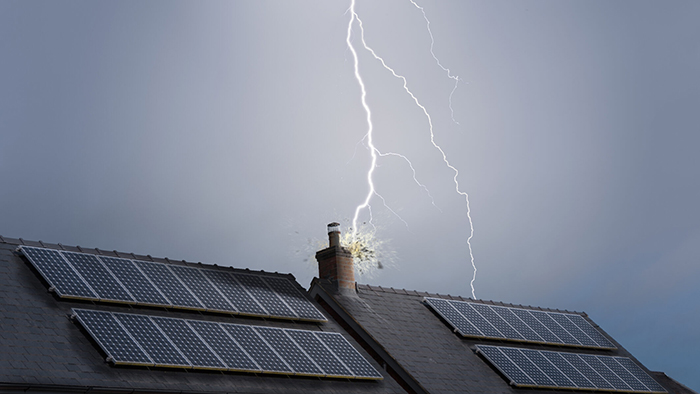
(228, 133)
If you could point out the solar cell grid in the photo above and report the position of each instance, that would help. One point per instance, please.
(453, 317)
(525, 331)
(477, 319)
(594, 334)
(263, 355)
(60, 275)
(605, 372)
(554, 327)
(265, 296)
(590, 374)
(202, 288)
(134, 281)
(568, 370)
(360, 367)
(189, 344)
(505, 365)
(235, 293)
(539, 377)
(501, 325)
(294, 299)
(548, 368)
(536, 326)
(112, 338)
(169, 285)
(98, 277)
(315, 349)
(572, 329)
(642, 376)
(152, 340)
(224, 346)
(622, 373)
(288, 349)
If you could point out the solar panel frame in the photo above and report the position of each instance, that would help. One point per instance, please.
(119, 346)
(294, 299)
(62, 278)
(135, 281)
(170, 285)
(258, 349)
(320, 354)
(100, 279)
(292, 353)
(265, 296)
(357, 364)
(205, 292)
(222, 344)
(533, 368)
(241, 299)
(154, 341)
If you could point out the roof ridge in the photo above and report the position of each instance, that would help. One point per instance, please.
(414, 293)
(130, 255)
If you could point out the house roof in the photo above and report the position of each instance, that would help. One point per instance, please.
(421, 350)
(41, 349)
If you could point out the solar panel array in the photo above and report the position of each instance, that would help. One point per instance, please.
(476, 320)
(130, 339)
(546, 369)
(111, 279)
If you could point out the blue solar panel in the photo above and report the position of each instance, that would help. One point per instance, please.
(225, 347)
(265, 296)
(547, 369)
(152, 340)
(236, 294)
(594, 334)
(360, 367)
(492, 317)
(61, 276)
(525, 331)
(98, 277)
(319, 353)
(477, 319)
(143, 291)
(202, 288)
(288, 349)
(459, 322)
(504, 364)
(169, 285)
(536, 326)
(190, 345)
(291, 296)
(554, 327)
(112, 338)
(573, 329)
(253, 344)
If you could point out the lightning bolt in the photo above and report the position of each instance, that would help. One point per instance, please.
(375, 153)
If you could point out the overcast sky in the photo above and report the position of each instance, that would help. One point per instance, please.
(231, 133)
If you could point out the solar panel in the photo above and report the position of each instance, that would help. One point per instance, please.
(184, 343)
(60, 275)
(143, 291)
(349, 355)
(169, 285)
(478, 320)
(113, 339)
(319, 353)
(202, 289)
(253, 344)
(152, 340)
(98, 277)
(189, 343)
(294, 298)
(284, 346)
(225, 347)
(103, 278)
(547, 369)
(237, 295)
(265, 296)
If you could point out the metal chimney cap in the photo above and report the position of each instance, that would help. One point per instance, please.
(333, 227)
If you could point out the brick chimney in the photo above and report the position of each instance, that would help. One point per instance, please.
(335, 262)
